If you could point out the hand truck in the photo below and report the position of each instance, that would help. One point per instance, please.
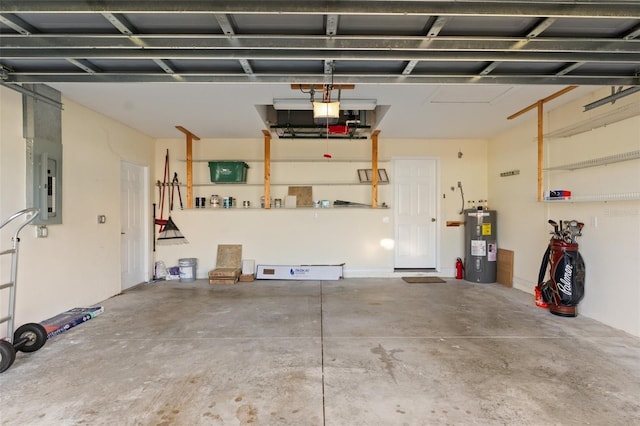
(28, 337)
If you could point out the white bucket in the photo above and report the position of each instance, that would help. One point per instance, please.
(187, 269)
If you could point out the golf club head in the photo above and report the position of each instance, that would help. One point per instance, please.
(576, 228)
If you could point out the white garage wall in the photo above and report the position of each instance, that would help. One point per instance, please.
(305, 235)
(79, 263)
(611, 238)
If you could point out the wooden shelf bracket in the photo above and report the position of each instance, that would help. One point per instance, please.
(540, 106)
(190, 138)
(267, 169)
(374, 169)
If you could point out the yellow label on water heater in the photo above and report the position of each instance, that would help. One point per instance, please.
(486, 229)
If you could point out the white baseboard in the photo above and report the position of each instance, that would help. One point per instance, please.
(390, 273)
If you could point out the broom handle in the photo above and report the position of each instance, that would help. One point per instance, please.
(175, 178)
(165, 178)
(154, 235)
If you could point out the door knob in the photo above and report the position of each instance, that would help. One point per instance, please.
(433, 219)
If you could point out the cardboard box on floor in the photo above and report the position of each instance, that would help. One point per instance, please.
(300, 272)
(228, 264)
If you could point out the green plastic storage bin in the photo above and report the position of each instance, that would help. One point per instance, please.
(228, 171)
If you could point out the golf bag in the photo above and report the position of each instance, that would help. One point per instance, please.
(565, 288)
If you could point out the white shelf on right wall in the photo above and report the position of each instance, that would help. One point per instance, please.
(602, 161)
(590, 198)
(598, 162)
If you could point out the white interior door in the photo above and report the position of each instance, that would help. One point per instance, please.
(415, 201)
(134, 224)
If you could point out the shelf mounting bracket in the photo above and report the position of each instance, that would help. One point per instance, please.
(190, 138)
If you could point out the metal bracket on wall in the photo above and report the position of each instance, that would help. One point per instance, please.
(27, 92)
(616, 94)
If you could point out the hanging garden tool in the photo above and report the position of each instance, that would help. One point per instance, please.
(175, 183)
(171, 234)
(165, 180)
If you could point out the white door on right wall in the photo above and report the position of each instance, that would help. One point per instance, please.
(415, 208)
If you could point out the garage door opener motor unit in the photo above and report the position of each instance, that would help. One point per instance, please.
(565, 287)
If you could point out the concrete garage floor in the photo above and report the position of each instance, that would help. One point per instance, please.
(349, 352)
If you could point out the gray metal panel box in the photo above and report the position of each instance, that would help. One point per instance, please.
(42, 130)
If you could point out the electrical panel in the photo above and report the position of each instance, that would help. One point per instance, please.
(44, 180)
(42, 130)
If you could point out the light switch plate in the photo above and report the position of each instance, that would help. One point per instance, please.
(42, 231)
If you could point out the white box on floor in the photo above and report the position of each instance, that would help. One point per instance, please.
(248, 266)
(300, 272)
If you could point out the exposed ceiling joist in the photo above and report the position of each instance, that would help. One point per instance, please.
(17, 24)
(307, 87)
(538, 29)
(437, 26)
(428, 42)
(568, 68)
(84, 65)
(120, 23)
(331, 24)
(322, 55)
(433, 30)
(227, 27)
(225, 24)
(164, 65)
(586, 9)
(534, 32)
(285, 42)
(634, 33)
(441, 79)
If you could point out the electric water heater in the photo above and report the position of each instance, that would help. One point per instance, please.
(481, 247)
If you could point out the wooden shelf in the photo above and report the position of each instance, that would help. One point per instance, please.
(288, 184)
(298, 160)
(267, 160)
(306, 208)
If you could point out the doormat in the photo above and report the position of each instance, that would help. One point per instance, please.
(423, 280)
